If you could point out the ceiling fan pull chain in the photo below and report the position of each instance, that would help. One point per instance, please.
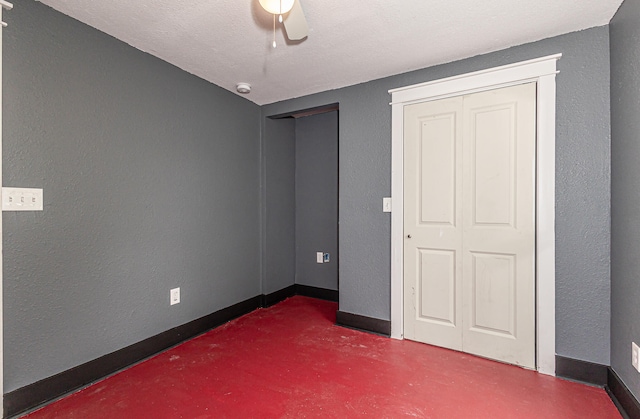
(274, 31)
(274, 23)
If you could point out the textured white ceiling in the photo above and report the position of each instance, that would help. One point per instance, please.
(350, 41)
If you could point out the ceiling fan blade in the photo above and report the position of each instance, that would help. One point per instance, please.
(295, 24)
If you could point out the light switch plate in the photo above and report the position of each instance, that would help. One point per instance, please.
(22, 199)
(386, 204)
(319, 257)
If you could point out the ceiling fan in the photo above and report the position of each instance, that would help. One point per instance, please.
(295, 24)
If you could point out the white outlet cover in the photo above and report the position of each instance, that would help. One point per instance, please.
(174, 296)
(635, 353)
(319, 257)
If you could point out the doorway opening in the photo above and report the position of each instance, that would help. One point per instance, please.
(300, 168)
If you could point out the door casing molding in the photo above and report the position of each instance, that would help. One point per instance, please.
(8, 6)
(542, 71)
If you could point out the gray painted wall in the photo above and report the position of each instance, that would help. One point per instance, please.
(151, 181)
(317, 199)
(625, 190)
(279, 166)
(582, 185)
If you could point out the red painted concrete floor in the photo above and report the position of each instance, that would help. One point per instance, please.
(291, 361)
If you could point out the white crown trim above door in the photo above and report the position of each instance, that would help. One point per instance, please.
(541, 71)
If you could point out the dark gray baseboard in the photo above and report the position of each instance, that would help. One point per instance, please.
(315, 292)
(297, 289)
(602, 376)
(622, 397)
(275, 297)
(582, 371)
(364, 323)
(44, 391)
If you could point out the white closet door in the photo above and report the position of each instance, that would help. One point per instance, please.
(470, 223)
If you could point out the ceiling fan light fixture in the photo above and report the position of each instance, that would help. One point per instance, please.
(295, 25)
(277, 7)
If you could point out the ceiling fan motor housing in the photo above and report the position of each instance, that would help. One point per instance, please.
(277, 7)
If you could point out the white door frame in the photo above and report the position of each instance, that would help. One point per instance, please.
(3, 5)
(543, 72)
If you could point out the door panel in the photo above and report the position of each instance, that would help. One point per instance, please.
(437, 166)
(493, 292)
(493, 160)
(433, 301)
(499, 225)
(437, 287)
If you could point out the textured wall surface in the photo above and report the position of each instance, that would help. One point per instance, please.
(317, 199)
(625, 190)
(279, 189)
(582, 185)
(151, 181)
